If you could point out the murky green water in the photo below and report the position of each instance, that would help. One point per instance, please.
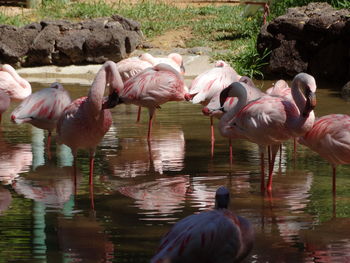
(140, 191)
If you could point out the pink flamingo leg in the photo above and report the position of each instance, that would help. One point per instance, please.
(92, 155)
(273, 149)
(334, 180)
(231, 154)
(262, 163)
(212, 136)
(149, 127)
(92, 201)
(138, 114)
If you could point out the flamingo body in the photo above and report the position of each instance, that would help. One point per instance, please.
(212, 236)
(206, 87)
(13, 84)
(43, 108)
(153, 87)
(330, 138)
(78, 130)
(130, 67)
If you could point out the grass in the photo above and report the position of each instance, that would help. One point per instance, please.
(218, 27)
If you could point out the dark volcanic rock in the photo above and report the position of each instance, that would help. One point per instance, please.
(65, 43)
(313, 38)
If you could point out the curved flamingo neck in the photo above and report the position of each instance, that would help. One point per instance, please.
(108, 74)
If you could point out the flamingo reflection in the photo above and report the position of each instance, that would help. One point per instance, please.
(14, 159)
(50, 185)
(137, 156)
(159, 198)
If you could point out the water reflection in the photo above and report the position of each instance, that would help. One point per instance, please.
(83, 239)
(14, 159)
(159, 199)
(48, 184)
(135, 157)
(145, 188)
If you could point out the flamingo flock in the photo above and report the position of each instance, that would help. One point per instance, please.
(244, 112)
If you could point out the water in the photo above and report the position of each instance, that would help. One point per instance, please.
(140, 191)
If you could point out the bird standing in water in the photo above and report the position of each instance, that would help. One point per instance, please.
(216, 236)
(271, 120)
(153, 87)
(86, 120)
(330, 138)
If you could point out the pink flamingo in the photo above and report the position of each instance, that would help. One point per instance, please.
(330, 138)
(130, 67)
(13, 84)
(4, 102)
(281, 88)
(153, 87)
(246, 92)
(86, 120)
(270, 120)
(43, 108)
(212, 236)
(206, 87)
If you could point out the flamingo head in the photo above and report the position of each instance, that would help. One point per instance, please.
(222, 198)
(111, 101)
(206, 111)
(56, 85)
(310, 102)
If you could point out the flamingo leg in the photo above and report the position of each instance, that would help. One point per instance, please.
(262, 163)
(149, 127)
(231, 154)
(91, 161)
(334, 180)
(212, 136)
(0, 118)
(273, 149)
(280, 163)
(138, 114)
(48, 145)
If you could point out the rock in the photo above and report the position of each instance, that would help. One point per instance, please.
(64, 43)
(345, 92)
(313, 38)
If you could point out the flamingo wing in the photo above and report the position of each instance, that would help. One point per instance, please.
(263, 121)
(131, 67)
(46, 104)
(330, 137)
(151, 88)
(210, 83)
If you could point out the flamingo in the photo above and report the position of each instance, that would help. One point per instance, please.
(270, 120)
(43, 108)
(330, 138)
(4, 102)
(206, 87)
(130, 67)
(153, 87)
(281, 88)
(13, 84)
(211, 236)
(86, 120)
(246, 92)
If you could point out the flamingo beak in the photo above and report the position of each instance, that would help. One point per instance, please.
(182, 68)
(111, 101)
(310, 104)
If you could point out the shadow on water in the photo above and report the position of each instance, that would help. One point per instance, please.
(141, 189)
